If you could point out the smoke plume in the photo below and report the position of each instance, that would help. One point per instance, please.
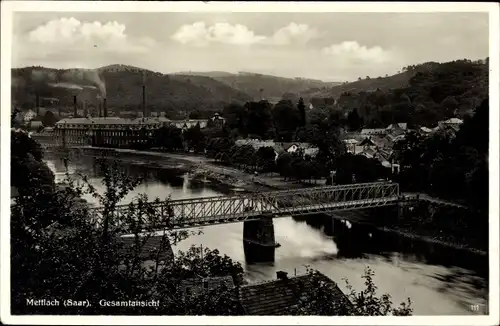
(71, 79)
(66, 85)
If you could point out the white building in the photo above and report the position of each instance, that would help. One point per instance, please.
(28, 116)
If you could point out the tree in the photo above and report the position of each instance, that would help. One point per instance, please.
(236, 118)
(354, 121)
(364, 169)
(266, 158)
(321, 300)
(81, 255)
(259, 120)
(49, 119)
(195, 114)
(169, 138)
(195, 138)
(286, 119)
(367, 303)
(302, 112)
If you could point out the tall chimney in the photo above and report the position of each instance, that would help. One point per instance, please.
(100, 109)
(37, 101)
(75, 108)
(105, 108)
(85, 112)
(144, 100)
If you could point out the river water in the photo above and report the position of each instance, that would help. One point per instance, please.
(438, 279)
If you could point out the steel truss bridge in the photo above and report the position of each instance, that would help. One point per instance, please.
(187, 213)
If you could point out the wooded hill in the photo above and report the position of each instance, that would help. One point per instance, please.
(273, 87)
(122, 86)
(421, 94)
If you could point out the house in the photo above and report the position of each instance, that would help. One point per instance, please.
(29, 115)
(217, 120)
(394, 138)
(368, 142)
(378, 131)
(281, 296)
(278, 150)
(351, 145)
(291, 148)
(453, 122)
(425, 130)
(397, 126)
(368, 152)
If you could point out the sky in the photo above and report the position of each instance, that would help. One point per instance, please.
(327, 46)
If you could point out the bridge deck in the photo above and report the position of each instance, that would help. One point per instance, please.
(185, 213)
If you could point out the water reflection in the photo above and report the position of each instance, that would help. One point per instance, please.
(440, 280)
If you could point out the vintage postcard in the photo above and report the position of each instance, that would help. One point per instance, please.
(249, 163)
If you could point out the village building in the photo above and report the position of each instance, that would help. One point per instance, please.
(376, 131)
(116, 131)
(280, 147)
(277, 297)
(452, 124)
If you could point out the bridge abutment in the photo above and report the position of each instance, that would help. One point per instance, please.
(258, 239)
(329, 226)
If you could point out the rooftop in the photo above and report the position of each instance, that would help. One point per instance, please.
(454, 121)
(373, 131)
(281, 296)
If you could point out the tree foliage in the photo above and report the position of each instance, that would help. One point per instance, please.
(322, 300)
(80, 255)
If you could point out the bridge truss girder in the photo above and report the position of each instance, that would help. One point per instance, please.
(186, 213)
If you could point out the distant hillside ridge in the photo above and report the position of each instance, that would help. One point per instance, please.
(122, 87)
(420, 95)
(371, 83)
(264, 86)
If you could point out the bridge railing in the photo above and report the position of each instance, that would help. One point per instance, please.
(219, 209)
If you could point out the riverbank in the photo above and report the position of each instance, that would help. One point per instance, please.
(234, 178)
(441, 239)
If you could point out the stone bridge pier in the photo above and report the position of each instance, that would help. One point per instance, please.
(258, 240)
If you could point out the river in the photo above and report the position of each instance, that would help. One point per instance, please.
(438, 279)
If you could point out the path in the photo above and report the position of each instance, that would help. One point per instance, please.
(428, 198)
(251, 182)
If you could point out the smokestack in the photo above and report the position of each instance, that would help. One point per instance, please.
(37, 101)
(105, 108)
(143, 100)
(75, 108)
(85, 112)
(100, 109)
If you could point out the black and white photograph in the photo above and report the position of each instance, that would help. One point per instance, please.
(270, 162)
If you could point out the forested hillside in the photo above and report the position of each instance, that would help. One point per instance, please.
(122, 86)
(422, 94)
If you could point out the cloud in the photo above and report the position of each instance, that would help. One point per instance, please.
(352, 51)
(70, 34)
(294, 33)
(200, 34)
